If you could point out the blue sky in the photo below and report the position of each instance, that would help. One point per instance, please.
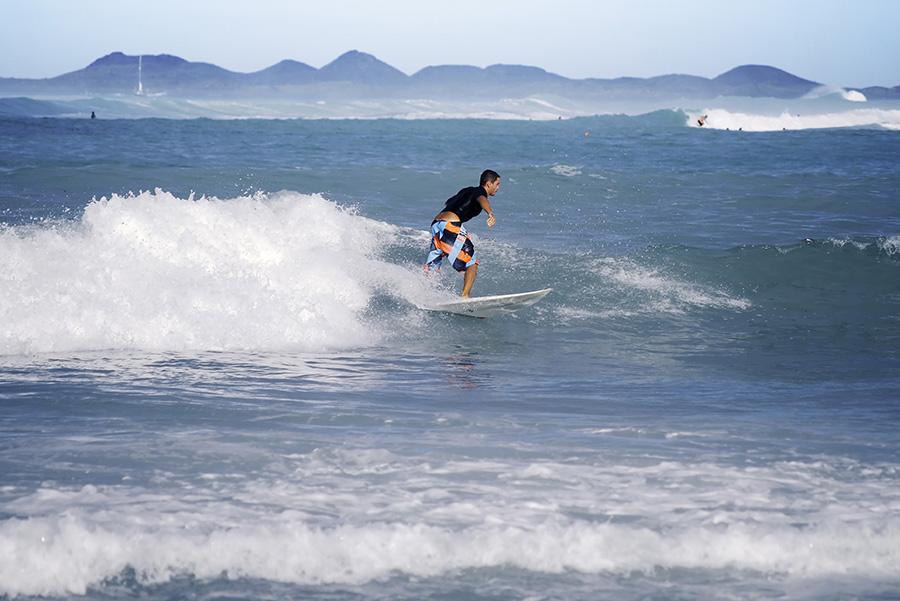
(839, 42)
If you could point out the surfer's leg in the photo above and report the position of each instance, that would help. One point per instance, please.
(465, 260)
(433, 260)
(438, 251)
(469, 279)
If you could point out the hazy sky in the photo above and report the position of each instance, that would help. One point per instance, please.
(850, 43)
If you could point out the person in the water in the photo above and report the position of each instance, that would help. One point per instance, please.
(449, 237)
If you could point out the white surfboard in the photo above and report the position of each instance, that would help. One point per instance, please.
(489, 306)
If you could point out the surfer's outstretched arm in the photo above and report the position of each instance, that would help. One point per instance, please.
(486, 205)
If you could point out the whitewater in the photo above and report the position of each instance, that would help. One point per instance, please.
(216, 382)
(242, 273)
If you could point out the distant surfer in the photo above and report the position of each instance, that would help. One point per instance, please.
(702, 121)
(449, 237)
(93, 115)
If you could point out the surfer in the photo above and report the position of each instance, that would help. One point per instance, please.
(449, 237)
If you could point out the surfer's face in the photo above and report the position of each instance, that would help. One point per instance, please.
(492, 187)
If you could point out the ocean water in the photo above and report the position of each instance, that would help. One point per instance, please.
(215, 381)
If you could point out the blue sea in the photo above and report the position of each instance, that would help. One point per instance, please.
(216, 383)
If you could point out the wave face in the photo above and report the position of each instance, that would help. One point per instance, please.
(153, 271)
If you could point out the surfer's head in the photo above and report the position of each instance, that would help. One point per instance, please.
(490, 181)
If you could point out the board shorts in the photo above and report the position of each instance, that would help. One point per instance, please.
(450, 239)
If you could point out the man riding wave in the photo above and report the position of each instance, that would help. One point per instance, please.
(449, 237)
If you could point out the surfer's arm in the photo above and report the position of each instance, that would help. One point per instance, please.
(486, 205)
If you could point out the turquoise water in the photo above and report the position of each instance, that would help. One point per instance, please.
(216, 382)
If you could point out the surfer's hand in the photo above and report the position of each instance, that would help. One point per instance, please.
(491, 220)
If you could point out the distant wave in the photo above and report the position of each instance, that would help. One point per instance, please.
(29, 107)
(723, 119)
(849, 95)
(803, 114)
(134, 107)
(853, 96)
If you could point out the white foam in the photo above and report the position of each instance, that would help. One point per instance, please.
(890, 245)
(665, 293)
(68, 554)
(832, 90)
(577, 313)
(565, 170)
(404, 515)
(869, 117)
(842, 242)
(153, 271)
(853, 96)
(632, 431)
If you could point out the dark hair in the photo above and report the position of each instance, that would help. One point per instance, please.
(488, 176)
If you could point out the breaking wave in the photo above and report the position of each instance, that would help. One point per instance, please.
(782, 520)
(731, 120)
(153, 271)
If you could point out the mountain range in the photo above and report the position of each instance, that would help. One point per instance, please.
(356, 74)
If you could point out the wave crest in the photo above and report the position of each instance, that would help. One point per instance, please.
(732, 120)
(68, 554)
(153, 271)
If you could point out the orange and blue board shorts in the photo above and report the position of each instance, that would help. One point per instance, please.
(450, 239)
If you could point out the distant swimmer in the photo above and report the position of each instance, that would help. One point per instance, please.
(702, 121)
(93, 115)
(449, 237)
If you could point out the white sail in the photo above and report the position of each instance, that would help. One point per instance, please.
(140, 88)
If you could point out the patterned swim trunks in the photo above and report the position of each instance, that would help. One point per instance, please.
(450, 239)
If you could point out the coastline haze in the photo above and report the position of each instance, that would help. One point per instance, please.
(576, 39)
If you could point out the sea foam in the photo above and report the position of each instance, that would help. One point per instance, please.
(68, 554)
(153, 271)
(662, 292)
(421, 519)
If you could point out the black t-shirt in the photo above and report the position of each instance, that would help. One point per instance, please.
(465, 202)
